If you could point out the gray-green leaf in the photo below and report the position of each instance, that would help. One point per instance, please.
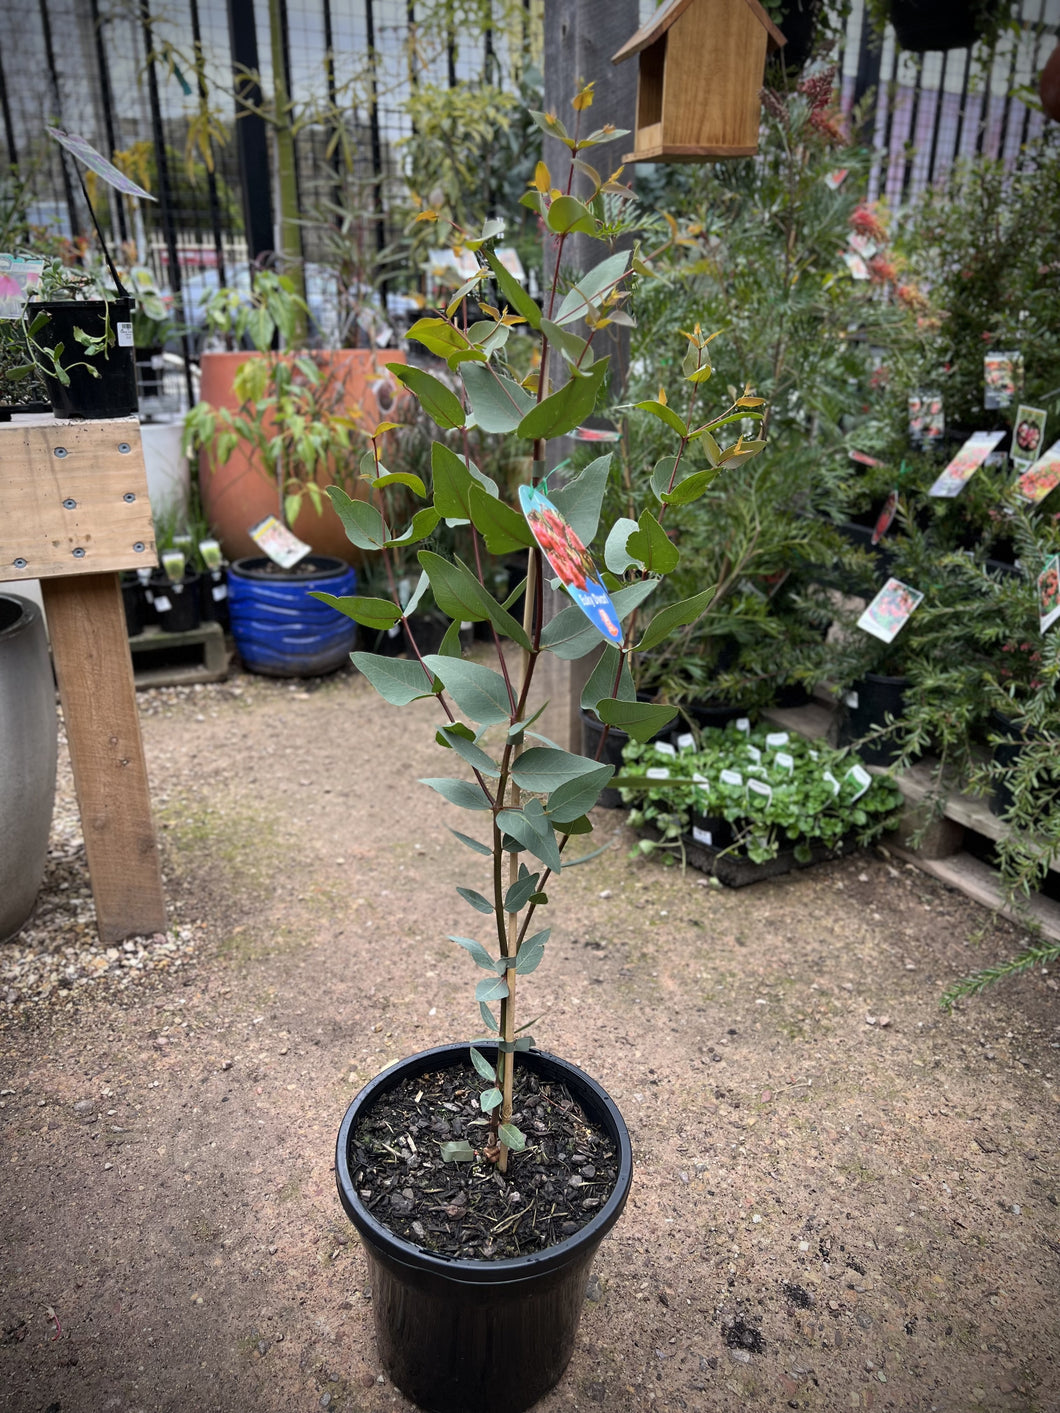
(477, 901)
(468, 794)
(478, 691)
(397, 681)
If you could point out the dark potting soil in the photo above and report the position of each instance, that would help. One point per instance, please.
(469, 1210)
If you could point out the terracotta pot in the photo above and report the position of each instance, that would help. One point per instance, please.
(241, 492)
(1049, 85)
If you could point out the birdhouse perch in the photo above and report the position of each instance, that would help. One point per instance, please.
(701, 68)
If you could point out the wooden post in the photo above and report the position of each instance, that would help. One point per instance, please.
(90, 647)
(73, 511)
(580, 38)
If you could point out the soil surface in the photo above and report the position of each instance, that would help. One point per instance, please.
(843, 1198)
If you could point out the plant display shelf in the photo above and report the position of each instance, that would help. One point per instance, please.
(162, 659)
(941, 851)
(74, 511)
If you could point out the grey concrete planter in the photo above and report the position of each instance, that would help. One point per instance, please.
(28, 744)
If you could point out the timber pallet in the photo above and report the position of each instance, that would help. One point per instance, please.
(174, 659)
(950, 845)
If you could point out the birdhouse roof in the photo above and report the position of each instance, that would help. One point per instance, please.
(665, 16)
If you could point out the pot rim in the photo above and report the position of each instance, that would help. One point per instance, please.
(482, 1271)
(326, 566)
(29, 614)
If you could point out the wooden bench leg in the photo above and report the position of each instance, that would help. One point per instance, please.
(90, 648)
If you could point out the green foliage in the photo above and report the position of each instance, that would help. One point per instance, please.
(777, 790)
(535, 796)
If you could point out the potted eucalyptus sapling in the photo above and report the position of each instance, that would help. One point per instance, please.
(466, 1320)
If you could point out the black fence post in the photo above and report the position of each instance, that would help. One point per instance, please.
(165, 193)
(251, 138)
(108, 111)
(211, 175)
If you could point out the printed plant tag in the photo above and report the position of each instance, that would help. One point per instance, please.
(927, 421)
(277, 542)
(657, 772)
(125, 333)
(784, 761)
(664, 748)
(570, 560)
(702, 836)
(776, 739)
(743, 723)
(855, 264)
(1028, 432)
(686, 741)
(1002, 377)
(861, 778)
(830, 778)
(886, 615)
(18, 276)
(161, 603)
(1041, 476)
(219, 592)
(835, 179)
(1049, 593)
(863, 245)
(885, 519)
(760, 788)
(964, 465)
(851, 700)
(731, 777)
(754, 753)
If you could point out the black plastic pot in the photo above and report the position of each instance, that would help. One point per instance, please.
(176, 605)
(714, 714)
(110, 394)
(134, 603)
(924, 25)
(592, 731)
(712, 831)
(213, 596)
(798, 24)
(461, 1336)
(868, 705)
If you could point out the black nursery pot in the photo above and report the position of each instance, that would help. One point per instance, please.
(113, 392)
(460, 1336)
(877, 697)
(182, 612)
(924, 25)
(611, 754)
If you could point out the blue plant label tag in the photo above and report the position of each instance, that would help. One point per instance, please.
(570, 560)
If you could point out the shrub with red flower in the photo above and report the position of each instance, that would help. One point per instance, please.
(1021, 669)
(865, 221)
(883, 270)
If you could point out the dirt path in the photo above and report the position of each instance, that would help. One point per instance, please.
(877, 1198)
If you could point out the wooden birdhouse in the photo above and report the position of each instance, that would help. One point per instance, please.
(701, 68)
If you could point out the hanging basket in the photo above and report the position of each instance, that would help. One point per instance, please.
(921, 26)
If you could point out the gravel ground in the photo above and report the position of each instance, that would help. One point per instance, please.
(843, 1199)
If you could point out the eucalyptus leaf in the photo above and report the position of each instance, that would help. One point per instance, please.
(520, 892)
(478, 691)
(511, 1137)
(439, 402)
(498, 402)
(651, 546)
(581, 499)
(641, 720)
(466, 793)
(477, 901)
(570, 634)
(574, 799)
(475, 756)
(593, 286)
(601, 682)
(503, 528)
(531, 952)
(528, 831)
(473, 844)
(493, 988)
(422, 524)
(542, 768)
(452, 481)
(458, 1151)
(478, 953)
(363, 523)
(371, 613)
(616, 556)
(513, 291)
(482, 1065)
(490, 1099)
(568, 408)
(675, 616)
(397, 681)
